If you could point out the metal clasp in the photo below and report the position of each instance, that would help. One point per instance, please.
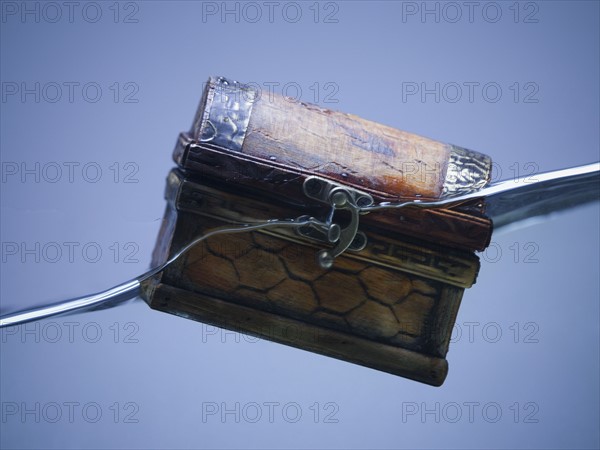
(339, 197)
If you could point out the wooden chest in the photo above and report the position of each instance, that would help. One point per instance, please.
(388, 300)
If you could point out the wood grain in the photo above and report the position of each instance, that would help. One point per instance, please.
(346, 148)
(306, 138)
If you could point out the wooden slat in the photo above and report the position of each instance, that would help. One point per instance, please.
(395, 360)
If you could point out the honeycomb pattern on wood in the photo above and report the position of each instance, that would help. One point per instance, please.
(279, 276)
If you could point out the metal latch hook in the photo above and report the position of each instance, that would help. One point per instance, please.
(339, 197)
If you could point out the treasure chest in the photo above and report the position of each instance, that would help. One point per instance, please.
(374, 286)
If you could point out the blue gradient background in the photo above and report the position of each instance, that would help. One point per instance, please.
(176, 365)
